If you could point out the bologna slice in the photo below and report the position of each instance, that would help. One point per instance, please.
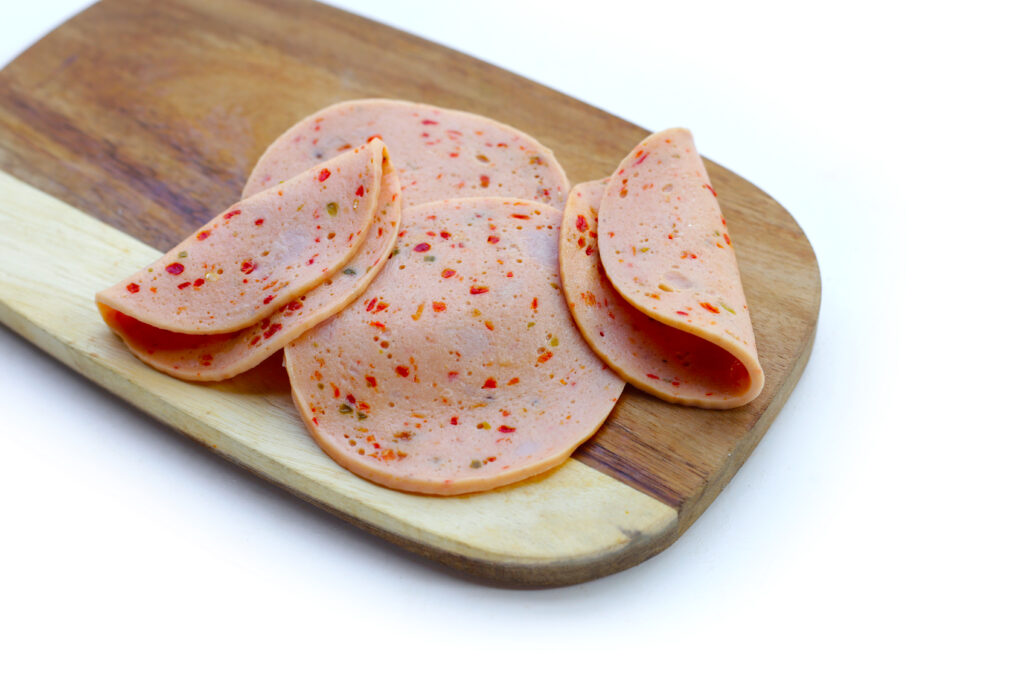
(459, 369)
(261, 253)
(670, 363)
(439, 153)
(664, 246)
(221, 356)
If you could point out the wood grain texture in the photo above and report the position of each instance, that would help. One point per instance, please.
(148, 116)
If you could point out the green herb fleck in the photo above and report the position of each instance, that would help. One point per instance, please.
(182, 254)
(345, 409)
(429, 258)
(332, 208)
(361, 416)
(349, 271)
(726, 308)
(475, 464)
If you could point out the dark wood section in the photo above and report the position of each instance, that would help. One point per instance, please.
(149, 115)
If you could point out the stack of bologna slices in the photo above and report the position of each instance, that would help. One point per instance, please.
(415, 264)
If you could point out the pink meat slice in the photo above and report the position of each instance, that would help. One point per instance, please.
(440, 153)
(217, 357)
(459, 369)
(670, 363)
(259, 254)
(664, 247)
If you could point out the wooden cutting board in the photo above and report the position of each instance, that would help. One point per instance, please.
(136, 121)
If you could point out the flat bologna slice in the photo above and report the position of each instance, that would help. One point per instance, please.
(670, 363)
(262, 252)
(664, 247)
(220, 356)
(459, 369)
(439, 153)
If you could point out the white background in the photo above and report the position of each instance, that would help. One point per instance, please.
(874, 533)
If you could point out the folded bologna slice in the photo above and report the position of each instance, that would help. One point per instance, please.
(215, 357)
(440, 153)
(664, 247)
(262, 252)
(670, 363)
(459, 369)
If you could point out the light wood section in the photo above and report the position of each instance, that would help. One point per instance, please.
(571, 524)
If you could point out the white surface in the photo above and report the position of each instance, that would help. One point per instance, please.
(876, 531)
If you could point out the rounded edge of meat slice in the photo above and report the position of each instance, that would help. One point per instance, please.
(260, 253)
(664, 361)
(666, 250)
(210, 358)
(440, 153)
(459, 369)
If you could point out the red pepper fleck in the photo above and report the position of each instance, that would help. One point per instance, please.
(489, 325)
(484, 181)
(183, 285)
(371, 381)
(231, 214)
(402, 370)
(682, 313)
(723, 220)
(711, 189)
(493, 239)
(521, 216)
(372, 137)
(337, 391)
(428, 122)
(295, 305)
(268, 299)
(258, 221)
(476, 289)
(199, 282)
(439, 306)
(324, 175)
(581, 223)
(514, 380)
(505, 429)
(350, 398)
(445, 234)
(360, 191)
(132, 287)
(379, 325)
(371, 304)
(248, 267)
(641, 159)
(455, 420)
(544, 357)
(727, 240)
(175, 268)
(203, 235)
(705, 305)
(422, 246)
(589, 250)
(653, 376)
(316, 421)
(533, 304)
(490, 383)
(453, 374)
(380, 307)
(274, 329)
(447, 272)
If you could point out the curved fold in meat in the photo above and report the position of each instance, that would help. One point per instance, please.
(664, 247)
(459, 369)
(669, 363)
(439, 153)
(212, 357)
(259, 254)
